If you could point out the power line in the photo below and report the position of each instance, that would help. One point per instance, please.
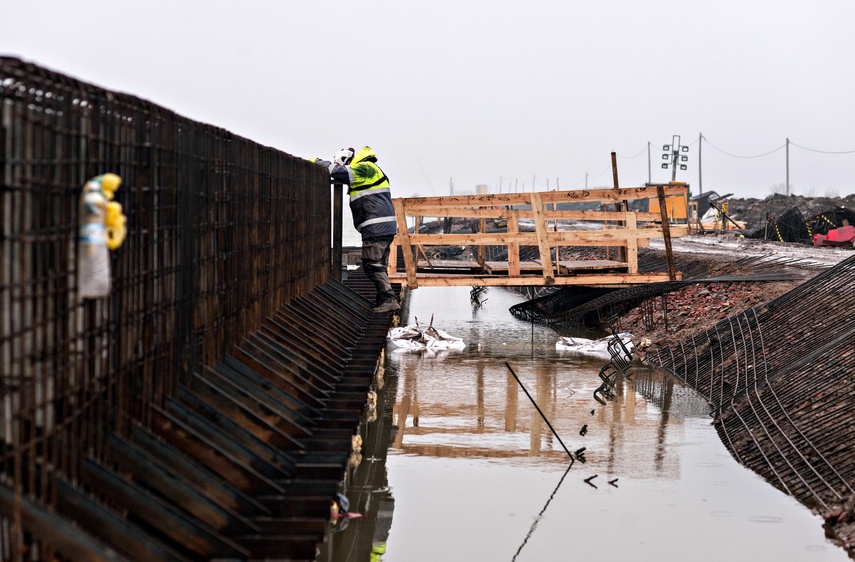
(747, 157)
(601, 173)
(823, 151)
(643, 150)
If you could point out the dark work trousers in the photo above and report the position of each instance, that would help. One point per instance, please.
(375, 263)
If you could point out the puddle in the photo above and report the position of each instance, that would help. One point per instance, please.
(461, 466)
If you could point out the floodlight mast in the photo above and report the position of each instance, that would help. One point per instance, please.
(674, 149)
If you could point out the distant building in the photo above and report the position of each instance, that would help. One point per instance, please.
(482, 189)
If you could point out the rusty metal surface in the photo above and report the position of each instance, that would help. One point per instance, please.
(180, 378)
(778, 377)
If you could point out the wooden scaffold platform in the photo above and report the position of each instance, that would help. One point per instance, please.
(620, 232)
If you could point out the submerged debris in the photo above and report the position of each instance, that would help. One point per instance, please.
(596, 349)
(420, 338)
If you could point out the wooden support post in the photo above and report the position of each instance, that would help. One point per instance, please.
(666, 232)
(555, 229)
(404, 241)
(482, 250)
(621, 253)
(542, 238)
(513, 247)
(631, 245)
(393, 257)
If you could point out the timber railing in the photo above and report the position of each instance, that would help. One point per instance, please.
(620, 231)
(221, 232)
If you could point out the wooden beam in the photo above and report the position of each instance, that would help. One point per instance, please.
(110, 526)
(598, 280)
(195, 474)
(482, 251)
(540, 229)
(60, 535)
(491, 213)
(666, 230)
(513, 247)
(562, 238)
(170, 520)
(144, 468)
(631, 249)
(403, 239)
(572, 196)
(393, 257)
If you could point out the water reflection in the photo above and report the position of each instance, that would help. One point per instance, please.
(474, 408)
(471, 463)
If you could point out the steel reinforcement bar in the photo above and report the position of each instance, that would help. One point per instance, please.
(779, 378)
(133, 414)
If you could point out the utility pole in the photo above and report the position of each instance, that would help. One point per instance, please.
(700, 177)
(649, 172)
(788, 166)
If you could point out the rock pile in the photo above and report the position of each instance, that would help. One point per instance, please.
(755, 212)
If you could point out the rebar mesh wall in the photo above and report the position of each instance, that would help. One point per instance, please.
(221, 231)
(779, 378)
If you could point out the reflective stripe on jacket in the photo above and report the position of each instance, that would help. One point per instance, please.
(370, 195)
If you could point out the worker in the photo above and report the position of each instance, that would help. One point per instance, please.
(373, 216)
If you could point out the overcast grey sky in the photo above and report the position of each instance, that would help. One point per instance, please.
(487, 92)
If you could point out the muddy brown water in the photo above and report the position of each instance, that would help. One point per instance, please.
(459, 465)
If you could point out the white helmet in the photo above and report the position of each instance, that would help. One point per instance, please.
(344, 156)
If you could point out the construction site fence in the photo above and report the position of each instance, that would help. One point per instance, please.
(221, 231)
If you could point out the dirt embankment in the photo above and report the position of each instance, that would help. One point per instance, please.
(695, 308)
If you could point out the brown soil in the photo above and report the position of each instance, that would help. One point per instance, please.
(697, 307)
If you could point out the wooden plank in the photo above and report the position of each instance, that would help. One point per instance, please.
(598, 280)
(540, 229)
(561, 238)
(470, 264)
(172, 522)
(109, 526)
(414, 204)
(560, 214)
(196, 473)
(217, 428)
(290, 384)
(222, 462)
(482, 251)
(231, 403)
(514, 247)
(153, 475)
(393, 257)
(270, 396)
(403, 238)
(631, 252)
(61, 535)
(666, 231)
(497, 267)
(582, 265)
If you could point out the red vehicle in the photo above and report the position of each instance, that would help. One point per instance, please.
(843, 236)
